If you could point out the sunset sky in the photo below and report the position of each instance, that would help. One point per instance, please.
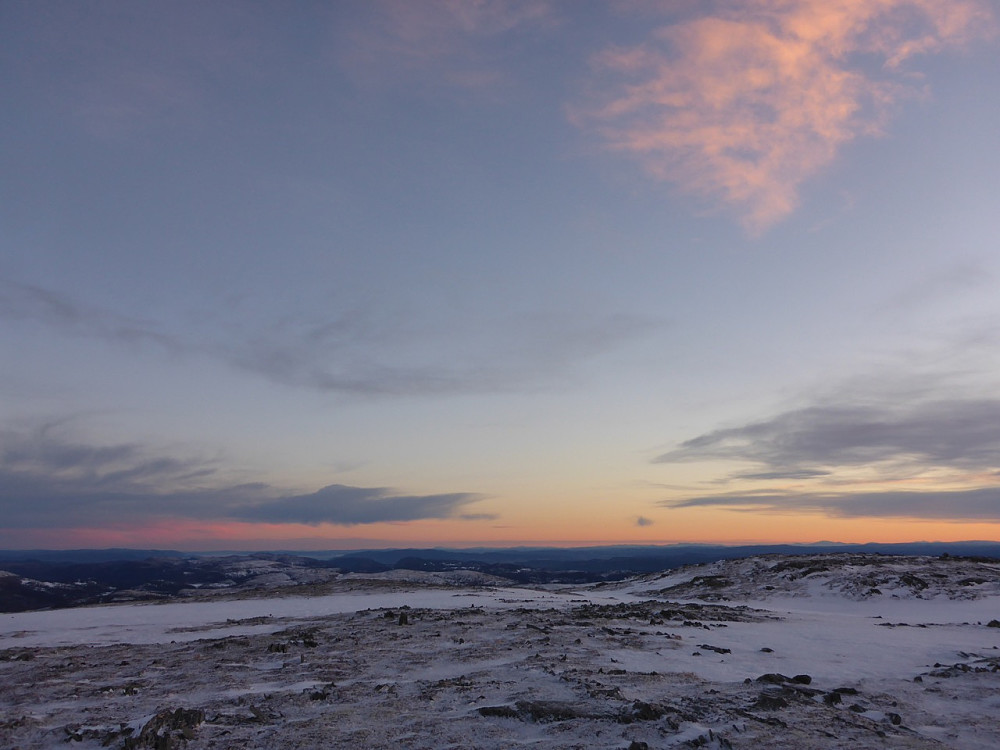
(376, 273)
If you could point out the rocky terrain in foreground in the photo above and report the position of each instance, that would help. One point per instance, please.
(657, 662)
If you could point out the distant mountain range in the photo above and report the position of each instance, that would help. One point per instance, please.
(632, 559)
(638, 558)
(42, 579)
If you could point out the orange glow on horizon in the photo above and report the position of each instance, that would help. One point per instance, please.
(712, 527)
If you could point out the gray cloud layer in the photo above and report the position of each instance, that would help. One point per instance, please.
(821, 447)
(981, 504)
(346, 505)
(960, 433)
(49, 480)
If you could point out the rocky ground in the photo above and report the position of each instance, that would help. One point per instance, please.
(586, 668)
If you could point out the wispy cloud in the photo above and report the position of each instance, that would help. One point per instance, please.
(48, 478)
(358, 353)
(948, 286)
(643, 521)
(27, 303)
(746, 103)
(783, 474)
(364, 355)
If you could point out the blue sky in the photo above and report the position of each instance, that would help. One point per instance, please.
(485, 271)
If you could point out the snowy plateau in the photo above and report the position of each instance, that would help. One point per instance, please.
(807, 651)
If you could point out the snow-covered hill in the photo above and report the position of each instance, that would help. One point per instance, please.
(791, 652)
(852, 576)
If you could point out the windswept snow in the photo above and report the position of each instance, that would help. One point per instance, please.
(792, 652)
(188, 621)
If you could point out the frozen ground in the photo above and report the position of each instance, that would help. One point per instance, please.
(791, 652)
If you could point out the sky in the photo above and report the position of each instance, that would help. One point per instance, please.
(382, 273)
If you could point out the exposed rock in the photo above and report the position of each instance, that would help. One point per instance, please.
(716, 649)
(551, 710)
(167, 730)
(642, 711)
(769, 702)
(773, 678)
(505, 712)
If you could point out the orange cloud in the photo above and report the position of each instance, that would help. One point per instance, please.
(747, 104)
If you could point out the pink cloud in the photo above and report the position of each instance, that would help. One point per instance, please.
(745, 105)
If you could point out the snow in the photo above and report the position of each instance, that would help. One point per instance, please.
(556, 667)
(189, 621)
